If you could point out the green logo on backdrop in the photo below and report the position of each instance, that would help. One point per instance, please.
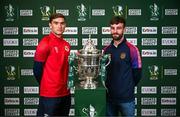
(10, 70)
(45, 12)
(154, 72)
(154, 12)
(117, 10)
(9, 13)
(82, 12)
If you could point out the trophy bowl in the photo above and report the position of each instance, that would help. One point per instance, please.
(88, 64)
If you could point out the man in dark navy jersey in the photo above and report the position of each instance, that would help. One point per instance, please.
(123, 73)
(51, 70)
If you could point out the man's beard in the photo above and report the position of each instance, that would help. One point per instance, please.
(117, 38)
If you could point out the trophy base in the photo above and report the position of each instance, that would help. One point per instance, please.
(88, 84)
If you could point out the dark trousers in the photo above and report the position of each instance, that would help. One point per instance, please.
(58, 106)
(126, 109)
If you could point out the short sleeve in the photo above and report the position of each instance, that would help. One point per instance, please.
(42, 50)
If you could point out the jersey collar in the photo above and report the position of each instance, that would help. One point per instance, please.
(52, 35)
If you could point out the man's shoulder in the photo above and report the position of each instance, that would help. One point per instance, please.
(45, 39)
(131, 46)
(44, 43)
(66, 42)
(106, 48)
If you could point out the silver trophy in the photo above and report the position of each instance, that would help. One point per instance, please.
(90, 64)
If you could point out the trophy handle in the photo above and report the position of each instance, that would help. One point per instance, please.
(71, 70)
(103, 67)
(109, 59)
(76, 69)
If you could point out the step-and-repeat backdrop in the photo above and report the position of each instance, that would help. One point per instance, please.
(152, 25)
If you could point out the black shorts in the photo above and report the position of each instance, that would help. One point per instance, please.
(58, 106)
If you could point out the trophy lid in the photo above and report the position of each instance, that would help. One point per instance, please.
(89, 47)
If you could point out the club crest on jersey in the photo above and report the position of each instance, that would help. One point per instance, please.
(122, 55)
(66, 48)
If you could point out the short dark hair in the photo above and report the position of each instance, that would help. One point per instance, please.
(117, 19)
(56, 15)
